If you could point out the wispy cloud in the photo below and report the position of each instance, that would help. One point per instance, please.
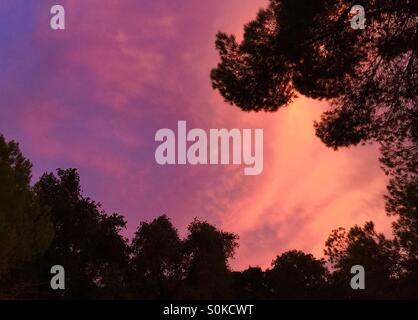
(93, 97)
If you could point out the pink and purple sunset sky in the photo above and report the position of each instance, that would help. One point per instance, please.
(93, 96)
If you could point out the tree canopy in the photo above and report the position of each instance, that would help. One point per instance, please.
(369, 76)
(87, 241)
(158, 264)
(25, 224)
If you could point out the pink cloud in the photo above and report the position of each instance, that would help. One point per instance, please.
(123, 70)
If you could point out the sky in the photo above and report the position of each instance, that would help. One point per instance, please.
(93, 96)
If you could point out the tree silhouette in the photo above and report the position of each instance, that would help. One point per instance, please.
(401, 164)
(370, 78)
(250, 284)
(308, 46)
(158, 264)
(207, 251)
(379, 256)
(296, 275)
(25, 224)
(87, 241)
(156, 259)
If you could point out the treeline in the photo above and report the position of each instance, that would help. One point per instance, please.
(52, 223)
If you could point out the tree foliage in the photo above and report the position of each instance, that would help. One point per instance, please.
(369, 76)
(296, 275)
(100, 263)
(364, 246)
(87, 241)
(207, 251)
(156, 259)
(25, 224)
(158, 264)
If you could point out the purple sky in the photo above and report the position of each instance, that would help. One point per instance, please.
(93, 96)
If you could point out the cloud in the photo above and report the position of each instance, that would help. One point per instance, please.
(93, 97)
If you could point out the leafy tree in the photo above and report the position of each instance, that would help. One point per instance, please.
(156, 259)
(369, 76)
(296, 275)
(308, 46)
(87, 241)
(250, 284)
(379, 256)
(25, 225)
(401, 164)
(207, 251)
(157, 264)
